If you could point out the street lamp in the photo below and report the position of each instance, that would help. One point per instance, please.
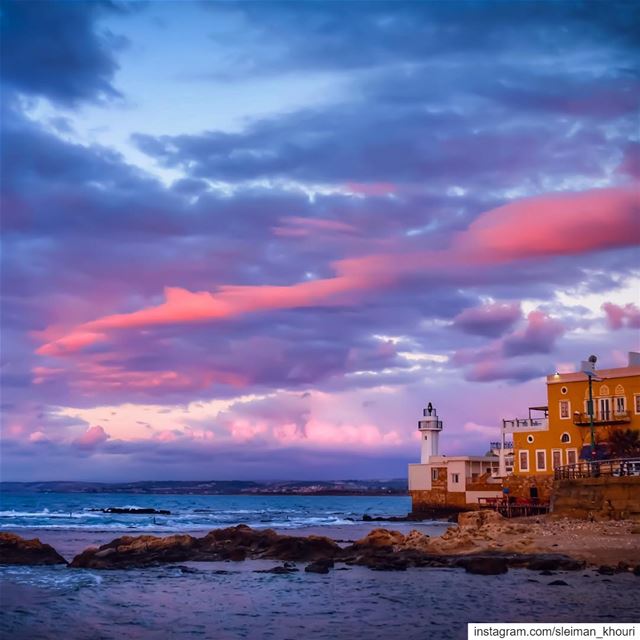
(588, 368)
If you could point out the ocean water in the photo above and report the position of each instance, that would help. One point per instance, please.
(73, 511)
(229, 601)
(225, 601)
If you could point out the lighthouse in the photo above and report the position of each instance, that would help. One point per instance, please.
(430, 427)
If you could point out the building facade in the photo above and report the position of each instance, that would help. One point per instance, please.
(563, 432)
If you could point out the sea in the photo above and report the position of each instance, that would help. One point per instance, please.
(230, 600)
(82, 511)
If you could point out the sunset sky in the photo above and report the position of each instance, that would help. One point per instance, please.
(253, 240)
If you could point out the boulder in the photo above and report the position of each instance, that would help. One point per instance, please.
(555, 562)
(139, 551)
(485, 565)
(319, 566)
(479, 519)
(606, 570)
(558, 583)
(17, 550)
(380, 538)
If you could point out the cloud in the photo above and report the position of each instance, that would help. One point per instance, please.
(539, 336)
(91, 438)
(619, 316)
(490, 320)
(538, 228)
(53, 49)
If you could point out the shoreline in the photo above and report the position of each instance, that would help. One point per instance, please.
(610, 543)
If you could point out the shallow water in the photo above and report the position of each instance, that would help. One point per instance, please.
(167, 602)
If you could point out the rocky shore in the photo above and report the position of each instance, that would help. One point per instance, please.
(482, 542)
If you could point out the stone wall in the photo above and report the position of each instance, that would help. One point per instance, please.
(437, 502)
(520, 486)
(603, 498)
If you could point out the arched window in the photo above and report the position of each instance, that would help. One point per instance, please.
(565, 438)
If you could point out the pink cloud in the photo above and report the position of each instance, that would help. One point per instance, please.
(619, 316)
(557, 224)
(92, 437)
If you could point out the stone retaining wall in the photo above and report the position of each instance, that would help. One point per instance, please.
(520, 486)
(604, 498)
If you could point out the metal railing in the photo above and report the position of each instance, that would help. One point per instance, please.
(435, 425)
(526, 424)
(611, 417)
(498, 445)
(594, 469)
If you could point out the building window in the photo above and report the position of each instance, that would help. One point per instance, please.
(572, 456)
(636, 402)
(565, 438)
(541, 460)
(434, 474)
(523, 460)
(455, 478)
(563, 391)
(556, 458)
(530, 439)
(565, 409)
(619, 404)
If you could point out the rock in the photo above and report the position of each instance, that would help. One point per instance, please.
(636, 571)
(319, 566)
(622, 567)
(484, 565)
(281, 570)
(635, 530)
(139, 551)
(389, 562)
(558, 583)
(233, 543)
(380, 538)
(299, 548)
(478, 519)
(134, 511)
(606, 570)
(555, 562)
(17, 550)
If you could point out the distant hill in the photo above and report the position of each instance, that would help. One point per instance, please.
(216, 487)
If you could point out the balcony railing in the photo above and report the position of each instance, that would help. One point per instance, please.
(525, 424)
(498, 445)
(594, 469)
(430, 424)
(610, 417)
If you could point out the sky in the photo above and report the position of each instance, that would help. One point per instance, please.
(252, 240)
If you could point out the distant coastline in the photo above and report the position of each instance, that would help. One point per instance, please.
(395, 487)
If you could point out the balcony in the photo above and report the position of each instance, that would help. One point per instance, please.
(433, 425)
(525, 424)
(582, 419)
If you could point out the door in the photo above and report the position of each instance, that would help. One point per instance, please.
(556, 456)
(605, 408)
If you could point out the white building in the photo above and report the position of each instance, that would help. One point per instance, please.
(439, 481)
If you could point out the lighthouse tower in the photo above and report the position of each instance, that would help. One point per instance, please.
(430, 428)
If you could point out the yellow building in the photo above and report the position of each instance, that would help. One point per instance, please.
(560, 433)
